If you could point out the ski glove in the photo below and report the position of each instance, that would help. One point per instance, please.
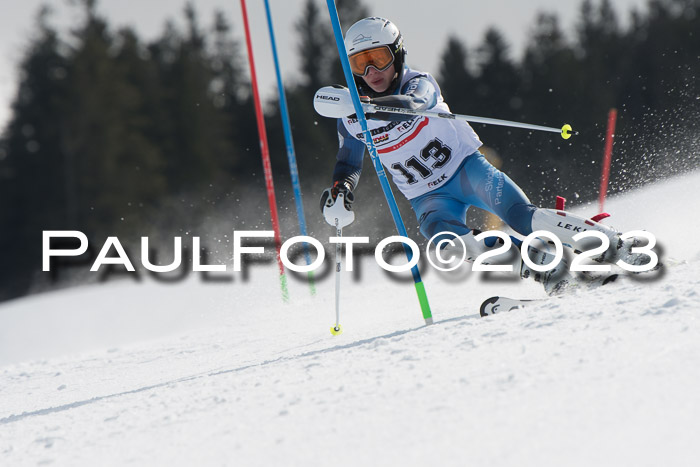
(332, 192)
(420, 95)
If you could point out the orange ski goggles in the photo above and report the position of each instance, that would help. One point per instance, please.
(380, 58)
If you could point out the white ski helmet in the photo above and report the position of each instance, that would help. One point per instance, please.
(372, 33)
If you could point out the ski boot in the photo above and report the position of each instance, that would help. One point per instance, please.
(565, 226)
(556, 281)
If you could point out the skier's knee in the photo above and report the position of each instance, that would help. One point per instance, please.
(474, 247)
(519, 217)
(430, 229)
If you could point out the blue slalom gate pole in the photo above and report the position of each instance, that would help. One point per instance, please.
(383, 181)
(290, 147)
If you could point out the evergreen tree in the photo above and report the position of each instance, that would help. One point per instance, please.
(231, 94)
(194, 147)
(315, 46)
(35, 185)
(456, 82)
(497, 83)
(104, 135)
(550, 76)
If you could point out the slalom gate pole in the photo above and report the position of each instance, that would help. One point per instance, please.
(383, 181)
(296, 186)
(267, 167)
(605, 171)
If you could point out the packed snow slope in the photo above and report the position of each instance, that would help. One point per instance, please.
(226, 374)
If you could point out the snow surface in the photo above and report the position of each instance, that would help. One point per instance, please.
(226, 374)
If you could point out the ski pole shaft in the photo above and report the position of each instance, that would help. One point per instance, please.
(339, 233)
(338, 102)
(565, 131)
(337, 328)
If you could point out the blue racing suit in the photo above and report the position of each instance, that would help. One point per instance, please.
(473, 182)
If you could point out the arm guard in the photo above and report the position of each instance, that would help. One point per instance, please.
(349, 158)
(417, 94)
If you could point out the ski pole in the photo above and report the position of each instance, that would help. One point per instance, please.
(338, 215)
(335, 102)
(565, 131)
(337, 329)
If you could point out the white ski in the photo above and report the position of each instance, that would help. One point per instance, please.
(498, 304)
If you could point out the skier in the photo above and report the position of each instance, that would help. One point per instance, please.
(436, 163)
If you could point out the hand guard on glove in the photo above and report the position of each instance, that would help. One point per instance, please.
(332, 193)
(338, 214)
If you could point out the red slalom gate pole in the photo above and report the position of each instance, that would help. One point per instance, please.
(267, 167)
(605, 173)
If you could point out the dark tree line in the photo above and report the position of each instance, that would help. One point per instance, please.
(112, 135)
(648, 71)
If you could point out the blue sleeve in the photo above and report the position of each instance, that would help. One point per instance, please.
(421, 92)
(349, 158)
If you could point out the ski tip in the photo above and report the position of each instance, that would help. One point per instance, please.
(497, 304)
(485, 308)
(609, 279)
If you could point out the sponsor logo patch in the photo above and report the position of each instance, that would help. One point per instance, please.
(360, 39)
(442, 178)
(574, 228)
